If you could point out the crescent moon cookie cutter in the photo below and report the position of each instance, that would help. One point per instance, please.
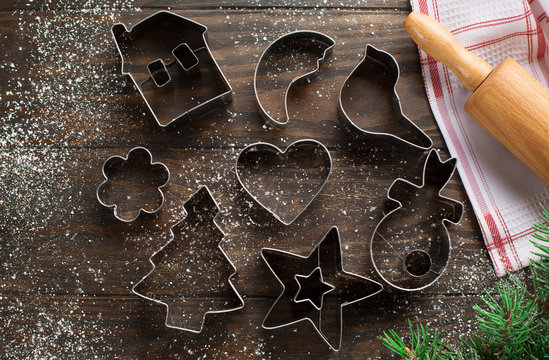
(410, 247)
(314, 42)
(375, 95)
(168, 58)
(187, 309)
(130, 184)
(315, 288)
(284, 182)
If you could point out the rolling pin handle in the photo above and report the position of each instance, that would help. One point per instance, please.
(439, 43)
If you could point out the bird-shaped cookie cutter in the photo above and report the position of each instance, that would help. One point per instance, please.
(382, 69)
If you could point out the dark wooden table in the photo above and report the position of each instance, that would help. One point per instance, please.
(67, 265)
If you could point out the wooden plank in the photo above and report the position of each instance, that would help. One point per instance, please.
(79, 97)
(226, 5)
(129, 328)
(69, 265)
(79, 247)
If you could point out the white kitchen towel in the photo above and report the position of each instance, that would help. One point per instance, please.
(504, 193)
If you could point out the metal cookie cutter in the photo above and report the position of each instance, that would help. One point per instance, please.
(284, 182)
(133, 184)
(315, 43)
(168, 59)
(410, 246)
(371, 89)
(191, 272)
(315, 288)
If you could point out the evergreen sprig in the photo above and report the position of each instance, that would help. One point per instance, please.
(422, 345)
(514, 325)
(540, 268)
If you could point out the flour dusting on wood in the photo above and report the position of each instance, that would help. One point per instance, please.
(68, 266)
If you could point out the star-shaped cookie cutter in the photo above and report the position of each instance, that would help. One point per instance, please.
(321, 305)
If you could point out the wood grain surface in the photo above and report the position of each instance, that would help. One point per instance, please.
(67, 265)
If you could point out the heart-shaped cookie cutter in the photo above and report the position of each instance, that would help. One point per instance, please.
(280, 212)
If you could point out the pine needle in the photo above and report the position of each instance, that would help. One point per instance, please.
(513, 324)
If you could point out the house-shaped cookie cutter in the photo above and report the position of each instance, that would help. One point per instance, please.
(168, 59)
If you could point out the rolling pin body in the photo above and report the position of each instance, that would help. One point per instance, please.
(507, 101)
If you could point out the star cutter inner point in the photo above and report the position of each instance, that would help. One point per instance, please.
(299, 299)
(306, 293)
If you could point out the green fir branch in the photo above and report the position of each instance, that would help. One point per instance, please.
(540, 268)
(512, 325)
(422, 345)
(505, 327)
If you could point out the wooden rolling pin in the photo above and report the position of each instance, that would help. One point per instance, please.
(507, 101)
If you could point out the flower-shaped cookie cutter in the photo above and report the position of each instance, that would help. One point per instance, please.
(133, 184)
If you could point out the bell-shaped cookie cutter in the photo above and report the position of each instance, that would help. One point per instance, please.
(388, 62)
(293, 40)
(315, 148)
(414, 263)
(204, 201)
(114, 164)
(315, 288)
(183, 57)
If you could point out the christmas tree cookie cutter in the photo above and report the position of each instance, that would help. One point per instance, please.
(410, 247)
(133, 184)
(371, 87)
(168, 59)
(307, 41)
(315, 288)
(197, 279)
(284, 182)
